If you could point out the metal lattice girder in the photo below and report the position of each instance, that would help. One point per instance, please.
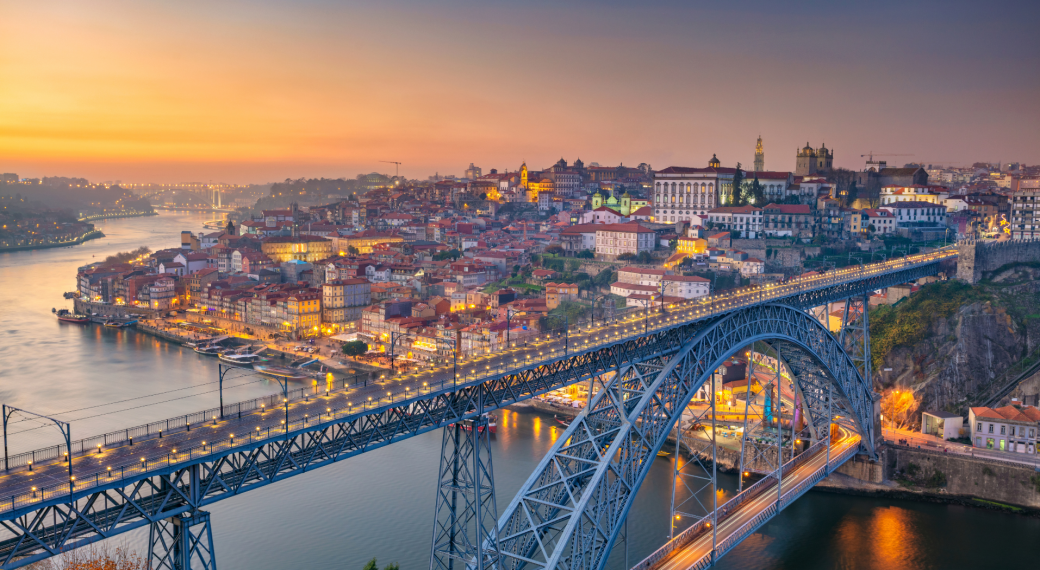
(466, 512)
(568, 513)
(692, 474)
(37, 530)
(182, 542)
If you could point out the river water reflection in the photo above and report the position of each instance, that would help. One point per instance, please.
(381, 504)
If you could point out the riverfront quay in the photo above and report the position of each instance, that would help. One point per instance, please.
(381, 504)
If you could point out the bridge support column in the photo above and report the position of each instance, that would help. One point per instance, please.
(182, 542)
(690, 476)
(464, 536)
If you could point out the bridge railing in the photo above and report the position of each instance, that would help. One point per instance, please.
(148, 431)
(688, 535)
(176, 456)
(179, 423)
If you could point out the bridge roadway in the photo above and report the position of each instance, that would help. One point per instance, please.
(747, 511)
(25, 488)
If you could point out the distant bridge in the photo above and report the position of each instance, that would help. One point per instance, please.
(645, 370)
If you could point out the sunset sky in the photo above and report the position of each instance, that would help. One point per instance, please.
(166, 91)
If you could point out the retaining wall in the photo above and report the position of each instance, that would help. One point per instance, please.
(976, 258)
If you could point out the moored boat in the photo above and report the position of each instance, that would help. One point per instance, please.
(280, 371)
(67, 317)
(240, 358)
(209, 350)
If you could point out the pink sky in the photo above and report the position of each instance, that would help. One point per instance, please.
(257, 92)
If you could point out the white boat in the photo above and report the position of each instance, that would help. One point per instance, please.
(241, 359)
(209, 350)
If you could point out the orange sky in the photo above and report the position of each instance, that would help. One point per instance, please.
(255, 92)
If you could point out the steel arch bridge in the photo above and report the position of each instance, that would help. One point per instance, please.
(652, 372)
(569, 513)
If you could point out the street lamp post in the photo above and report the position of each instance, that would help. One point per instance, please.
(64, 427)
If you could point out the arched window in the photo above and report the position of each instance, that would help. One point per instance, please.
(658, 186)
(711, 188)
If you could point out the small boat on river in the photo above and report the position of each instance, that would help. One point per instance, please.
(209, 349)
(68, 317)
(280, 371)
(240, 358)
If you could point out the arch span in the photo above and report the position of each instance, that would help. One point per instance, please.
(569, 512)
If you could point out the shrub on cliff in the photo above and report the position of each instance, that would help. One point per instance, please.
(909, 321)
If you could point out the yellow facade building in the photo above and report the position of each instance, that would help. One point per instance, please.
(311, 249)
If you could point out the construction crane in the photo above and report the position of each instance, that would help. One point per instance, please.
(879, 164)
(397, 166)
(871, 155)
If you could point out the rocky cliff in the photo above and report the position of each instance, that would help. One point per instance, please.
(956, 344)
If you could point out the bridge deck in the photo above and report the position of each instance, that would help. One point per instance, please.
(692, 549)
(24, 487)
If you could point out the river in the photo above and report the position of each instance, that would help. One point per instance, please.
(381, 504)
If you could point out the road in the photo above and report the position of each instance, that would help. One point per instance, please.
(931, 443)
(22, 481)
(731, 522)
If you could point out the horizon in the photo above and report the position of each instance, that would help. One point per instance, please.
(240, 94)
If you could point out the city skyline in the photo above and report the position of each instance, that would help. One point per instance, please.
(253, 94)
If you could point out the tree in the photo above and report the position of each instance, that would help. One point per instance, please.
(354, 348)
(756, 191)
(603, 278)
(585, 254)
(737, 196)
(573, 264)
(353, 250)
(483, 196)
(871, 228)
(644, 257)
(554, 249)
(626, 256)
(452, 254)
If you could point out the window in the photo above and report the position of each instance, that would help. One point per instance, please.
(1003, 430)
(990, 428)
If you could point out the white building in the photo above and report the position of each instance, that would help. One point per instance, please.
(745, 219)
(1005, 429)
(686, 286)
(915, 212)
(884, 221)
(613, 240)
(682, 192)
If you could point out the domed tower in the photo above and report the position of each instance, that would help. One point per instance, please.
(760, 156)
(805, 163)
(230, 229)
(824, 159)
(523, 175)
(714, 162)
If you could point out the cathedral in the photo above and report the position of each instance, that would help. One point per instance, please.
(814, 161)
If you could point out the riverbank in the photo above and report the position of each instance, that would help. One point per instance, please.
(114, 216)
(92, 234)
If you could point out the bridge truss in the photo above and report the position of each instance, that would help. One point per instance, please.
(586, 483)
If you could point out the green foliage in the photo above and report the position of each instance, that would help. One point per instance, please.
(626, 256)
(603, 278)
(938, 479)
(372, 565)
(644, 257)
(910, 321)
(353, 250)
(451, 254)
(354, 348)
(754, 192)
(1035, 480)
(573, 264)
(554, 249)
(738, 198)
(912, 469)
(555, 264)
(586, 254)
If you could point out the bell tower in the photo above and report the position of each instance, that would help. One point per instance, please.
(760, 156)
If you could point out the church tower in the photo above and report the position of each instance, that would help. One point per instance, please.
(523, 175)
(760, 156)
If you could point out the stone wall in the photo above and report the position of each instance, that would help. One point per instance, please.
(977, 259)
(968, 476)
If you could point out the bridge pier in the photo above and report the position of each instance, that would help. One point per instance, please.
(182, 542)
(465, 516)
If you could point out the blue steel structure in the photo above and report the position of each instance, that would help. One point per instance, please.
(570, 511)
